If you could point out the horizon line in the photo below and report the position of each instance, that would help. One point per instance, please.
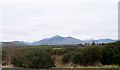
(57, 35)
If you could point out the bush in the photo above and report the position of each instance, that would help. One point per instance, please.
(66, 58)
(34, 58)
(58, 51)
(92, 55)
(83, 56)
(78, 58)
(111, 53)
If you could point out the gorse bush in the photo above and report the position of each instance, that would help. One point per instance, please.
(66, 58)
(78, 58)
(85, 56)
(58, 51)
(34, 58)
(111, 53)
(94, 55)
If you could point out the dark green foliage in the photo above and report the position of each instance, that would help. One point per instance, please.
(58, 51)
(83, 56)
(92, 55)
(65, 58)
(93, 43)
(69, 54)
(18, 61)
(111, 53)
(78, 58)
(34, 58)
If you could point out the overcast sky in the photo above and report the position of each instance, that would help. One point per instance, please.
(31, 20)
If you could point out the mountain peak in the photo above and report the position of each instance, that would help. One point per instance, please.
(56, 36)
(69, 37)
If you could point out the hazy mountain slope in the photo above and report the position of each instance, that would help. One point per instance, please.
(13, 44)
(104, 40)
(58, 40)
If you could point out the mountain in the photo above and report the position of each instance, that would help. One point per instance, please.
(13, 44)
(89, 41)
(105, 40)
(21, 43)
(58, 40)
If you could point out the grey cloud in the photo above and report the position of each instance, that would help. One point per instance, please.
(36, 19)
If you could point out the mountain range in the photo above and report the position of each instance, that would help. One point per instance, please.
(59, 40)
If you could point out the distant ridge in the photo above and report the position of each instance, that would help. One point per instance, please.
(13, 44)
(59, 40)
(105, 40)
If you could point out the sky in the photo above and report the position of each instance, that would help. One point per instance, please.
(32, 20)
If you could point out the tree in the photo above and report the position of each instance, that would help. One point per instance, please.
(93, 43)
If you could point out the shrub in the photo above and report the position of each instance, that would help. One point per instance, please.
(34, 58)
(111, 53)
(78, 58)
(66, 58)
(92, 55)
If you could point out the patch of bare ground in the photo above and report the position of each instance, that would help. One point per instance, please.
(8, 66)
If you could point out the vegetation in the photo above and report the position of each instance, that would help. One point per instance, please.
(108, 54)
(111, 53)
(84, 56)
(34, 58)
(43, 57)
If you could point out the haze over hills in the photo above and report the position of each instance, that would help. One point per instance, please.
(14, 44)
(59, 40)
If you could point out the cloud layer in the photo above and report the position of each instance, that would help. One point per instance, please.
(31, 20)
